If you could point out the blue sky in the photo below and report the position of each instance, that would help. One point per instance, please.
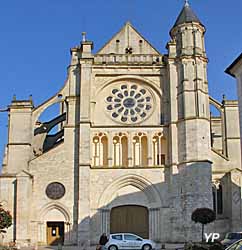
(36, 37)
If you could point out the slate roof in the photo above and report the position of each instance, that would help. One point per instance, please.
(186, 16)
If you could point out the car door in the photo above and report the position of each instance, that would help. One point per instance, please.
(132, 241)
(117, 239)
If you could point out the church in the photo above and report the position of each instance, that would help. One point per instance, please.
(136, 146)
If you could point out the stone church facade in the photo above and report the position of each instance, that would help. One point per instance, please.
(138, 144)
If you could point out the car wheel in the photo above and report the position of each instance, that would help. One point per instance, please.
(112, 247)
(146, 247)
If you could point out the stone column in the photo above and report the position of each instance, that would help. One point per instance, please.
(104, 220)
(67, 233)
(154, 222)
(41, 233)
(110, 149)
(44, 230)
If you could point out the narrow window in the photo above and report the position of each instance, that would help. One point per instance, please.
(100, 150)
(116, 151)
(144, 151)
(124, 143)
(140, 150)
(136, 151)
(220, 199)
(159, 150)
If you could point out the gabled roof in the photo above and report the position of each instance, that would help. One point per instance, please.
(187, 15)
(128, 37)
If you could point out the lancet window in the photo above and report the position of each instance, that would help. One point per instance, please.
(159, 149)
(120, 150)
(218, 198)
(100, 150)
(128, 150)
(140, 150)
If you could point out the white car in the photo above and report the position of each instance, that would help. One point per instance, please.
(128, 241)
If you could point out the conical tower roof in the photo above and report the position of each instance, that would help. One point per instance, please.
(187, 15)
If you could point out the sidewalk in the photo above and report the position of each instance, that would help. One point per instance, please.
(168, 246)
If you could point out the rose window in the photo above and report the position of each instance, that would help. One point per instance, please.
(55, 190)
(129, 103)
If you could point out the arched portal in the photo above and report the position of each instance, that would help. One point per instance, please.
(131, 195)
(54, 224)
(130, 218)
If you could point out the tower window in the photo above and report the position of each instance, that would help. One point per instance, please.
(218, 199)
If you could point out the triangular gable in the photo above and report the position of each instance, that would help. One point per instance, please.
(128, 37)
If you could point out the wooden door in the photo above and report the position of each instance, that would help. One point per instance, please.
(130, 219)
(55, 233)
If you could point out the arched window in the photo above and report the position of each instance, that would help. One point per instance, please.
(100, 150)
(144, 151)
(124, 143)
(218, 199)
(140, 150)
(116, 151)
(159, 150)
(104, 144)
(120, 150)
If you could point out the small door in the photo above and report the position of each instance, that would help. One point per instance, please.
(55, 233)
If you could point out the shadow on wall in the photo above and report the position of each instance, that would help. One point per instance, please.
(161, 211)
(227, 203)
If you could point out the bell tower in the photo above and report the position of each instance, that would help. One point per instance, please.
(187, 67)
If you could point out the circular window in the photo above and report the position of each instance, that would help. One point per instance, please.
(129, 103)
(55, 190)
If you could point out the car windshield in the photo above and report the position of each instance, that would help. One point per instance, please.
(233, 236)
